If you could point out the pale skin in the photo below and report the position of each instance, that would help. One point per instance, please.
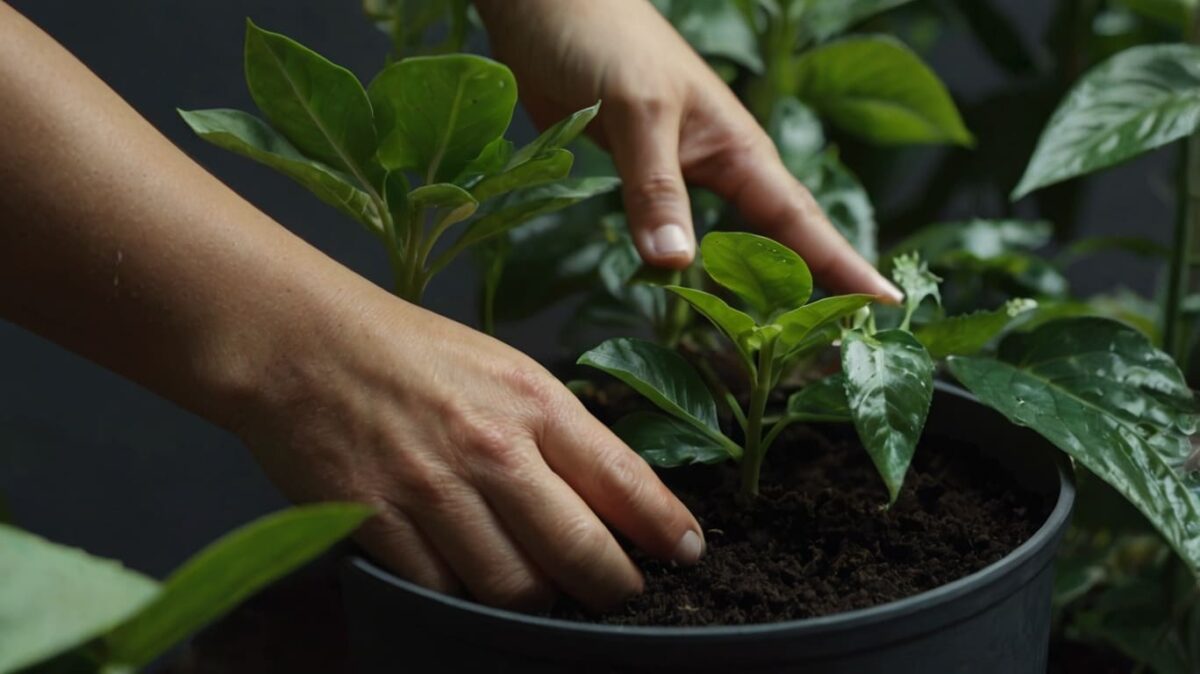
(489, 477)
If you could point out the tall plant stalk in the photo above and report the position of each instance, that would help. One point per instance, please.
(1184, 240)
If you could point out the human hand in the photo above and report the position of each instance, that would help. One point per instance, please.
(667, 118)
(488, 474)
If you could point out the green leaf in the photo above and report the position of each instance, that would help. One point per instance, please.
(557, 136)
(435, 114)
(227, 572)
(453, 203)
(796, 132)
(876, 88)
(1140, 99)
(1103, 394)
(844, 199)
(981, 238)
(667, 442)
(524, 204)
(822, 400)
(1030, 273)
(967, 334)
(617, 266)
(552, 165)
(733, 323)
(319, 106)
(714, 28)
(917, 282)
(659, 374)
(766, 275)
(491, 160)
(828, 18)
(55, 598)
(1135, 245)
(249, 136)
(798, 324)
(889, 386)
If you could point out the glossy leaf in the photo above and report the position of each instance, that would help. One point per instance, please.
(766, 275)
(828, 18)
(492, 159)
(557, 136)
(1140, 99)
(617, 267)
(319, 106)
(435, 114)
(714, 28)
(659, 374)
(245, 134)
(967, 334)
(733, 323)
(1102, 393)
(798, 324)
(552, 165)
(524, 204)
(822, 400)
(54, 598)
(668, 442)
(878, 89)
(453, 203)
(889, 386)
(225, 573)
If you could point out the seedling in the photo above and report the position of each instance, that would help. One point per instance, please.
(436, 121)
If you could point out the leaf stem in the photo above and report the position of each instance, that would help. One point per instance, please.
(1179, 279)
(752, 458)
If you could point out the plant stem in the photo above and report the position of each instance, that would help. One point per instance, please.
(755, 449)
(1187, 222)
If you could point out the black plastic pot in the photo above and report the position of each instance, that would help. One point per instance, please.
(995, 621)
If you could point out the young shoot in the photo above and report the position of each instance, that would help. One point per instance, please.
(419, 152)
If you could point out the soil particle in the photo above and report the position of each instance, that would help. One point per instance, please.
(820, 541)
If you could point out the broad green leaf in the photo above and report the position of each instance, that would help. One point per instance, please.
(824, 19)
(522, 205)
(557, 136)
(395, 197)
(715, 28)
(54, 598)
(491, 160)
(981, 238)
(1102, 393)
(766, 275)
(844, 199)
(225, 573)
(319, 106)
(889, 386)
(667, 442)
(617, 267)
(733, 323)
(967, 334)
(552, 165)
(1140, 99)
(822, 400)
(452, 203)
(434, 114)
(659, 374)
(877, 88)
(249, 136)
(798, 324)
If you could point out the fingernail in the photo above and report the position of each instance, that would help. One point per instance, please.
(670, 240)
(888, 291)
(689, 549)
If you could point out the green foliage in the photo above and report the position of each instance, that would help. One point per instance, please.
(768, 276)
(61, 605)
(968, 334)
(437, 118)
(1138, 100)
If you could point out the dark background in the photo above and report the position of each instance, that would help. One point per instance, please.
(89, 459)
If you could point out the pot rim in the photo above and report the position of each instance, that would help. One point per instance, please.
(1010, 564)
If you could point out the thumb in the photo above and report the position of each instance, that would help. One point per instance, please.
(645, 149)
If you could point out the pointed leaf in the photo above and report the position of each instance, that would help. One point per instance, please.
(668, 442)
(798, 324)
(828, 18)
(661, 375)
(453, 203)
(525, 204)
(1140, 99)
(967, 334)
(491, 160)
(249, 136)
(552, 165)
(728, 320)
(1102, 393)
(319, 106)
(824, 400)
(889, 386)
(877, 88)
(557, 136)
(225, 573)
(55, 598)
(766, 275)
(435, 114)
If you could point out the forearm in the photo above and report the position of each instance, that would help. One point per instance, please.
(116, 245)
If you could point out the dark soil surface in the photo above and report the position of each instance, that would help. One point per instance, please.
(818, 540)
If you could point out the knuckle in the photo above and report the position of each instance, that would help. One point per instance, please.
(622, 475)
(584, 545)
(638, 106)
(653, 189)
(534, 386)
(426, 484)
(516, 589)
